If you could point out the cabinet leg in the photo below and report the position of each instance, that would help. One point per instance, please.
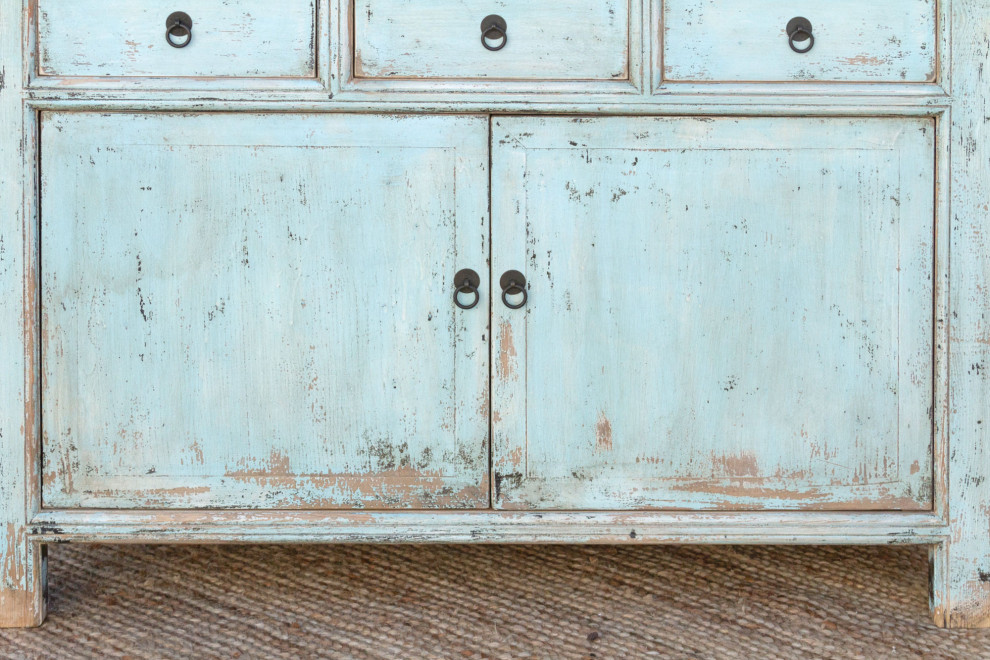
(23, 579)
(960, 583)
(962, 563)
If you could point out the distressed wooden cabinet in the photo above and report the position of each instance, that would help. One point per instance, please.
(727, 291)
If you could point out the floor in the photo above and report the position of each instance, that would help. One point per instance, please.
(489, 602)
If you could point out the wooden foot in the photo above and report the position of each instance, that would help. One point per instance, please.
(23, 582)
(961, 565)
(960, 593)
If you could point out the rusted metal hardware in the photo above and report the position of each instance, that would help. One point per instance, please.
(513, 283)
(467, 281)
(178, 25)
(799, 31)
(493, 29)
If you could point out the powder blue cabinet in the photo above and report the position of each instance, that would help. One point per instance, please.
(730, 263)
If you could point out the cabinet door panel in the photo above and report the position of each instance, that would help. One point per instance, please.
(727, 313)
(256, 311)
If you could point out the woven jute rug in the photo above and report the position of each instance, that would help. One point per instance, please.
(488, 602)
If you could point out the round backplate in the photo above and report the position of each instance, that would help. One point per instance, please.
(469, 275)
(801, 25)
(178, 17)
(510, 276)
(493, 21)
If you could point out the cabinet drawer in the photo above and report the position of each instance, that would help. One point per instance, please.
(747, 40)
(409, 39)
(120, 38)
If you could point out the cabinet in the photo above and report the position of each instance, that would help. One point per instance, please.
(362, 271)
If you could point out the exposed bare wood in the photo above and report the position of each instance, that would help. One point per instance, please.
(345, 144)
(961, 594)
(121, 39)
(487, 527)
(22, 561)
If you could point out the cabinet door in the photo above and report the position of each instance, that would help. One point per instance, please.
(256, 310)
(728, 313)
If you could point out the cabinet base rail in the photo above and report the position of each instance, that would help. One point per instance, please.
(242, 526)
(952, 604)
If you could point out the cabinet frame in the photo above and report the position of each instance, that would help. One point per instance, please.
(956, 530)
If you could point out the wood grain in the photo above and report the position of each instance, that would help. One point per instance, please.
(256, 311)
(105, 73)
(22, 561)
(724, 313)
(746, 40)
(629, 527)
(247, 38)
(961, 594)
(407, 39)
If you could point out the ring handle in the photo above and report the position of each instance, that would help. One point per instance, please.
(493, 30)
(467, 281)
(178, 26)
(513, 283)
(799, 30)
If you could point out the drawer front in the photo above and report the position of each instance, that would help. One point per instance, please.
(255, 311)
(546, 40)
(747, 40)
(247, 38)
(723, 313)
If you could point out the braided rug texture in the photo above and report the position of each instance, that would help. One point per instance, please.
(396, 602)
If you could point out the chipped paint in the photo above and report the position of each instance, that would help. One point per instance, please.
(507, 351)
(959, 597)
(796, 466)
(243, 39)
(12, 571)
(881, 41)
(744, 370)
(867, 60)
(603, 433)
(254, 391)
(740, 465)
(429, 44)
(22, 562)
